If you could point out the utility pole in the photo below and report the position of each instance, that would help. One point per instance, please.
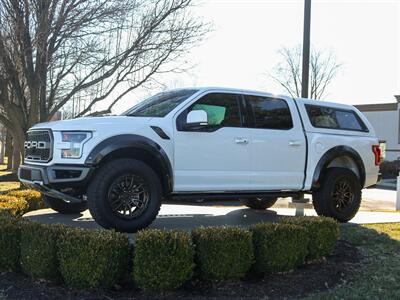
(306, 49)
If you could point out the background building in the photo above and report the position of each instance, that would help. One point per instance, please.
(385, 118)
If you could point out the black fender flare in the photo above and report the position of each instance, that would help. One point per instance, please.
(333, 153)
(132, 142)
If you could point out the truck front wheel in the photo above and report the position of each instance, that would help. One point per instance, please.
(339, 196)
(259, 203)
(63, 207)
(125, 194)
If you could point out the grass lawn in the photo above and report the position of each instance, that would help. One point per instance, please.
(378, 276)
(6, 185)
(9, 185)
(3, 168)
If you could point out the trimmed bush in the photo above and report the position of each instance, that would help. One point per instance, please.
(93, 258)
(39, 250)
(32, 197)
(279, 247)
(10, 239)
(13, 205)
(322, 231)
(163, 260)
(223, 252)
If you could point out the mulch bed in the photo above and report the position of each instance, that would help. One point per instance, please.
(309, 279)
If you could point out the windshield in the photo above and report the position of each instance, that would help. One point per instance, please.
(159, 105)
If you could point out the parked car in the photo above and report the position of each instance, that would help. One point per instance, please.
(209, 143)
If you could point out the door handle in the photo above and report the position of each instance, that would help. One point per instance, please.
(240, 140)
(294, 143)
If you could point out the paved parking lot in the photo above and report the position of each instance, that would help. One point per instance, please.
(187, 216)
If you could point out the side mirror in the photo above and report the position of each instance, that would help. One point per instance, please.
(196, 119)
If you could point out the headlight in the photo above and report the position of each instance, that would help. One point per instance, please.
(76, 140)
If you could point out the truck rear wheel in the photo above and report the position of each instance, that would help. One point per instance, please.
(259, 203)
(64, 207)
(125, 195)
(339, 196)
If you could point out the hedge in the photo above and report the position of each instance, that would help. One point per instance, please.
(13, 205)
(163, 260)
(223, 252)
(19, 202)
(322, 232)
(279, 247)
(32, 197)
(39, 250)
(10, 240)
(160, 260)
(92, 258)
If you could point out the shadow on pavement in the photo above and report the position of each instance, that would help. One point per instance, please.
(240, 217)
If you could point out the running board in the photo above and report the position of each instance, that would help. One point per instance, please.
(233, 196)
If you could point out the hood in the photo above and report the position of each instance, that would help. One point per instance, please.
(94, 123)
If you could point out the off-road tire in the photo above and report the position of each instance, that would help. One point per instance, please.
(98, 190)
(63, 207)
(259, 203)
(324, 200)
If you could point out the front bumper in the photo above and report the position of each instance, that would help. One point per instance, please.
(53, 175)
(50, 180)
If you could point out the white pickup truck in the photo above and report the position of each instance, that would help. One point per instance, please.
(208, 143)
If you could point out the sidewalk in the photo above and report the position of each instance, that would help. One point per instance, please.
(372, 199)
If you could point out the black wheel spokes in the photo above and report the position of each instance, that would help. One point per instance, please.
(128, 196)
(343, 195)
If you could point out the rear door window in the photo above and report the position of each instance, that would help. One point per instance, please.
(270, 113)
(334, 118)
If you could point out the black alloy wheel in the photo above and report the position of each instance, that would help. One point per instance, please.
(342, 195)
(128, 196)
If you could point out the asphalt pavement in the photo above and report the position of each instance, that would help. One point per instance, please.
(186, 215)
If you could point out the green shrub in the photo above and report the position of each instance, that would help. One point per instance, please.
(32, 197)
(389, 169)
(39, 250)
(323, 233)
(223, 252)
(279, 247)
(163, 260)
(13, 205)
(10, 241)
(93, 258)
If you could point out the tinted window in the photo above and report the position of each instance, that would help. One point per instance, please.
(270, 113)
(160, 105)
(222, 109)
(334, 118)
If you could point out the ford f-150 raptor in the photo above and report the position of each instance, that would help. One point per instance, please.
(208, 143)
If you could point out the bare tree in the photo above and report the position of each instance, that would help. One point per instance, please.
(53, 52)
(323, 68)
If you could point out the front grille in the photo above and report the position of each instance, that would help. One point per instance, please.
(38, 146)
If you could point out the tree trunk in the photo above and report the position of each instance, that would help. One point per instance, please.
(2, 150)
(18, 147)
(9, 151)
(16, 161)
(2, 145)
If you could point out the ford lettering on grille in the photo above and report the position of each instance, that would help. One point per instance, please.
(38, 146)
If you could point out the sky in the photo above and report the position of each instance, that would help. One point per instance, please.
(241, 51)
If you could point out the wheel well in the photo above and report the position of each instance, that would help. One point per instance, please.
(339, 157)
(146, 157)
(344, 162)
